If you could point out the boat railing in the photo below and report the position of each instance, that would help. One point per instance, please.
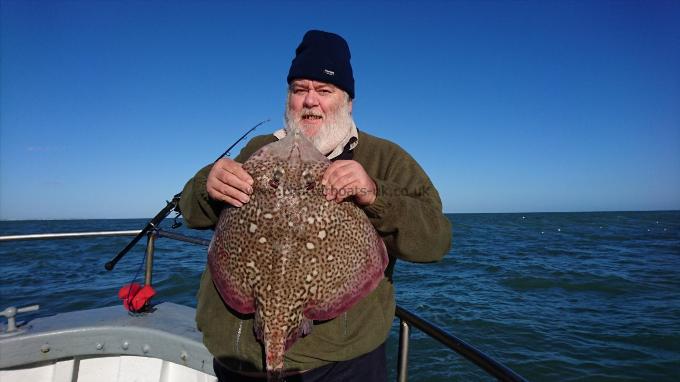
(407, 319)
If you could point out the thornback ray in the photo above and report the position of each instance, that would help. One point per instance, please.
(290, 256)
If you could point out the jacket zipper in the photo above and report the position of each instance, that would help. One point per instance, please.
(238, 341)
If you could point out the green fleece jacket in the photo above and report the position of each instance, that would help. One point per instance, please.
(407, 213)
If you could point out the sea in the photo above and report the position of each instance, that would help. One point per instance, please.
(554, 296)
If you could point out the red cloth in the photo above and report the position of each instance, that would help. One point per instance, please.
(135, 297)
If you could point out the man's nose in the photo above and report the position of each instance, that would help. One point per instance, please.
(311, 99)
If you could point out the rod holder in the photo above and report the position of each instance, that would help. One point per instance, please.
(150, 245)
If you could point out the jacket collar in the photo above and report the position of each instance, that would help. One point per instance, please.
(340, 151)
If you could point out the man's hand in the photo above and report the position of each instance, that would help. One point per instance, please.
(345, 178)
(229, 182)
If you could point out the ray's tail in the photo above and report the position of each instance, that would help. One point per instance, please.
(274, 351)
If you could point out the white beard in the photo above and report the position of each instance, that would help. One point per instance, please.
(335, 129)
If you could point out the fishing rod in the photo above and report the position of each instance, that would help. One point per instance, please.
(172, 205)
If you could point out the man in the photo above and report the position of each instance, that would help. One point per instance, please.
(377, 175)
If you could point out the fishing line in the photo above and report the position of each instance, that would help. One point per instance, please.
(139, 268)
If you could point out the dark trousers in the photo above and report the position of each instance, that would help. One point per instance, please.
(370, 367)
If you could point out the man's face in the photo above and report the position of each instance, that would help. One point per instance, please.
(321, 111)
(311, 104)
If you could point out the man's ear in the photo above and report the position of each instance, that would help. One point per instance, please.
(350, 106)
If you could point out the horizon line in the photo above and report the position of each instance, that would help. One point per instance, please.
(445, 213)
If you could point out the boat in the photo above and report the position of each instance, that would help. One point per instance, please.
(159, 344)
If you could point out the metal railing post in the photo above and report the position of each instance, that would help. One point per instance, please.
(402, 367)
(150, 244)
(483, 361)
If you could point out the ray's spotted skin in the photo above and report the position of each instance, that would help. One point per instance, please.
(289, 255)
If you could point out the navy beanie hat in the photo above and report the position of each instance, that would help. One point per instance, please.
(323, 56)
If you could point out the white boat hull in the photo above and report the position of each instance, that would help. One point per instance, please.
(107, 369)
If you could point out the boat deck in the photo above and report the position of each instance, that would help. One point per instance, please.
(108, 344)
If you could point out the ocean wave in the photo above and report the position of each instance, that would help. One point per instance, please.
(608, 285)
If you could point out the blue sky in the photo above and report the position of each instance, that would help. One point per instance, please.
(108, 107)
